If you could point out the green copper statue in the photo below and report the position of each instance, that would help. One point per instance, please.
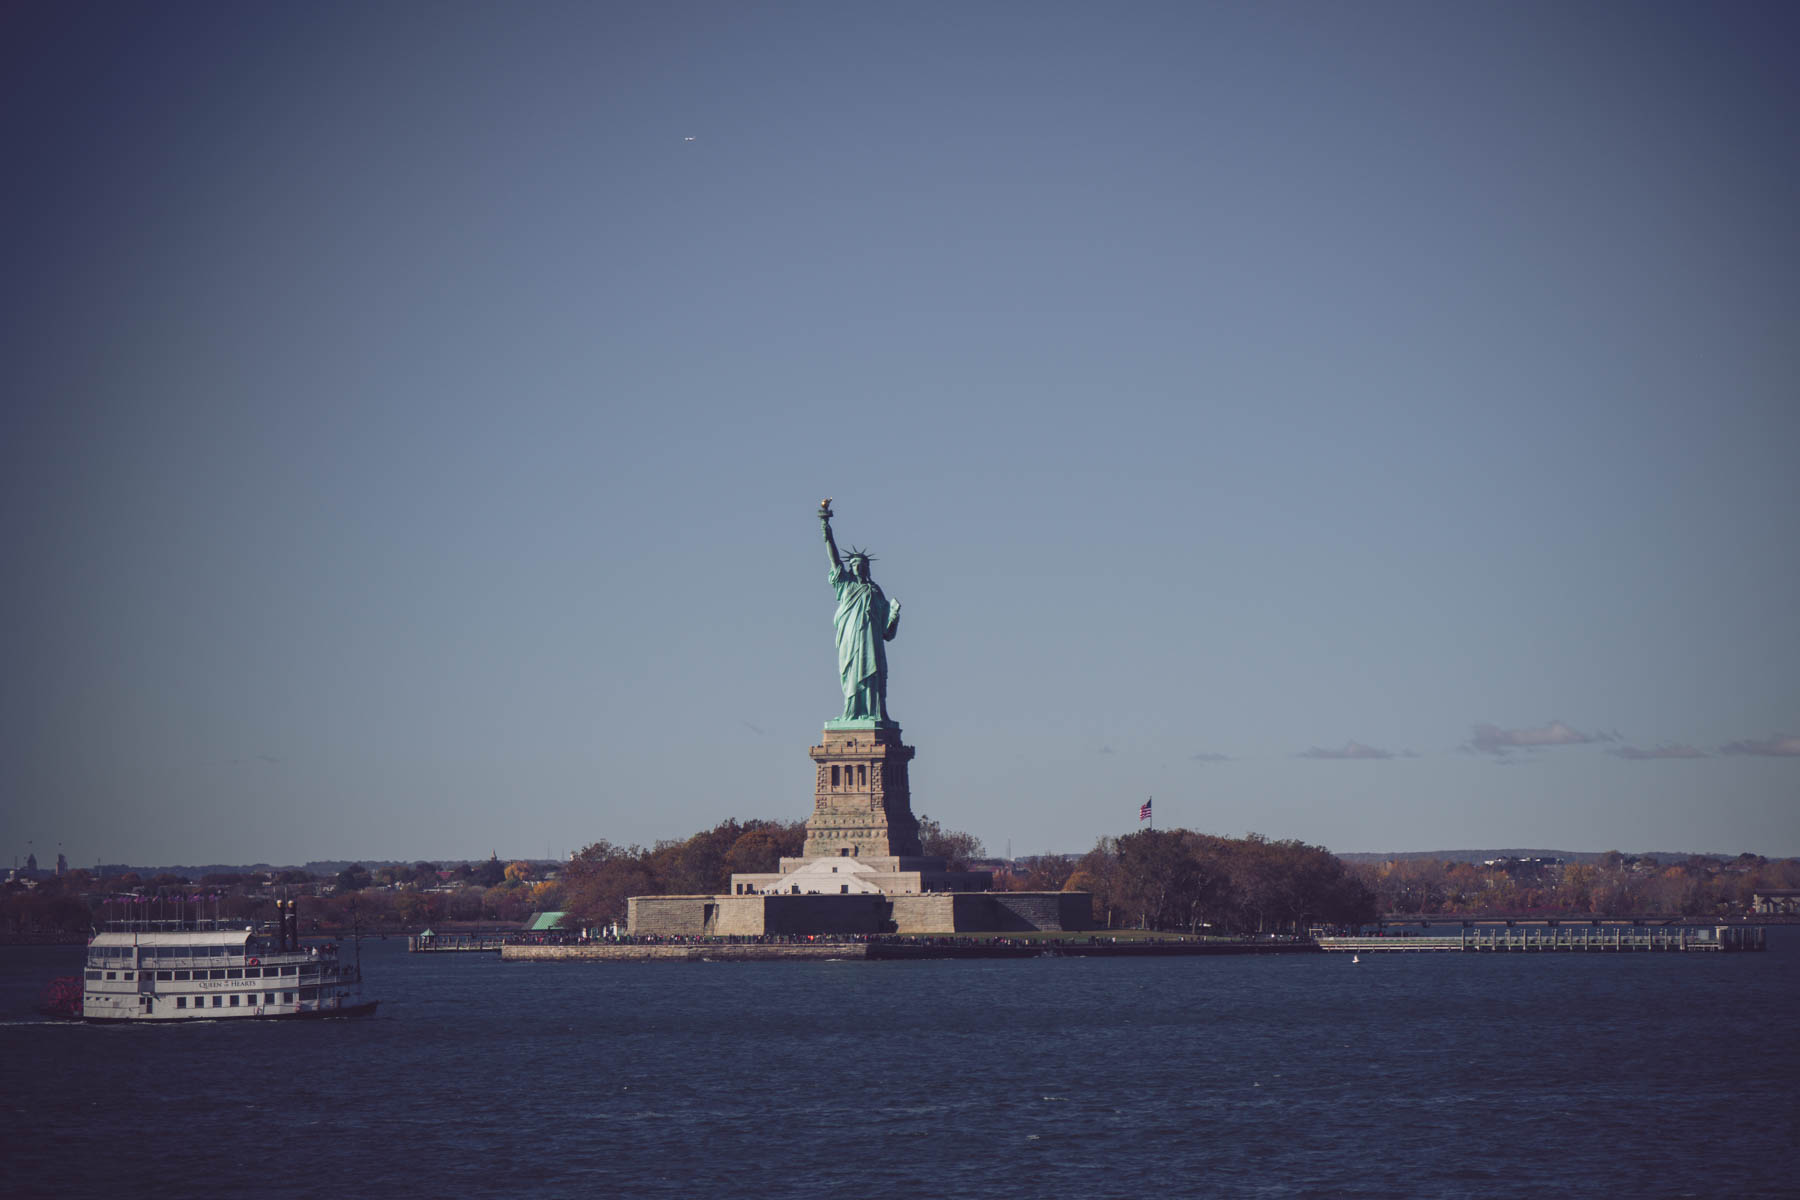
(866, 621)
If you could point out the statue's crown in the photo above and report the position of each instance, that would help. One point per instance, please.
(862, 554)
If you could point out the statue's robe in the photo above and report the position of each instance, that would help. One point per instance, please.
(864, 622)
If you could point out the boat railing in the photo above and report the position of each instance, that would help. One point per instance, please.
(326, 955)
(302, 965)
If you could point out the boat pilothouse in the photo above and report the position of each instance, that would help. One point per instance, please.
(203, 969)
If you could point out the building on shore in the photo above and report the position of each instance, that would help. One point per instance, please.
(1776, 902)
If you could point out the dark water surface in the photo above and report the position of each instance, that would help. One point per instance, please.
(1404, 1075)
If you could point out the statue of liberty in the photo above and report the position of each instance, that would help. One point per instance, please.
(866, 621)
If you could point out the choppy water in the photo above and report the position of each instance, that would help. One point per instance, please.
(1404, 1075)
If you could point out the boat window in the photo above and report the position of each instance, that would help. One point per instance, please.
(288, 970)
(217, 972)
(287, 997)
(127, 974)
(234, 1000)
(162, 974)
(93, 975)
(218, 1002)
(181, 1002)
(112, 974)
(268, 997)
(234, 973)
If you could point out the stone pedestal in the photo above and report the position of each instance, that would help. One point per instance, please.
(862, 869)
(862, 806)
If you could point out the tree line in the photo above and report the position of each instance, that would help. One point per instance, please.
(1173, 879)
(1616, 885)
(1154, 879)
(386, 898)
(1177, 879)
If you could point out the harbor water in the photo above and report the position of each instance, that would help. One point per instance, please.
(1293, 1076)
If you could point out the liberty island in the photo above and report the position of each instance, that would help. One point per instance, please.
(862, 869)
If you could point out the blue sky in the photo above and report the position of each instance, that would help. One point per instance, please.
(1368, 424)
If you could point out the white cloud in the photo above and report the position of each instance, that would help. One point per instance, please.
(1663, 751)
(1350, 750)
(1491, 739)
(1778, 746)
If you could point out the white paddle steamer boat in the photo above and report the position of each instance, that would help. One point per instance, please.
(202, 969)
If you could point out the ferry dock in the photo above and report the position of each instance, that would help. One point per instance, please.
(1475, 938)
(455, 943)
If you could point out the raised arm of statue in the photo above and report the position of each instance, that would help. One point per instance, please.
(837, 564)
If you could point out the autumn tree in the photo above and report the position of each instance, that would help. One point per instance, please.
(1179, 879)
(1049, 872)
(1098, 876)
(762, 846)
(599, 879)
(546, 895)
(418, 910)
(1158, 877)
(953, 845)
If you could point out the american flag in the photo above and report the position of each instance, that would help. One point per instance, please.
(1144, 812)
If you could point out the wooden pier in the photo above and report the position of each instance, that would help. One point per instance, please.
(455, 943)
(1544, 939)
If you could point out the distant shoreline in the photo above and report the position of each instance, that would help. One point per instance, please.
(1396, 921)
